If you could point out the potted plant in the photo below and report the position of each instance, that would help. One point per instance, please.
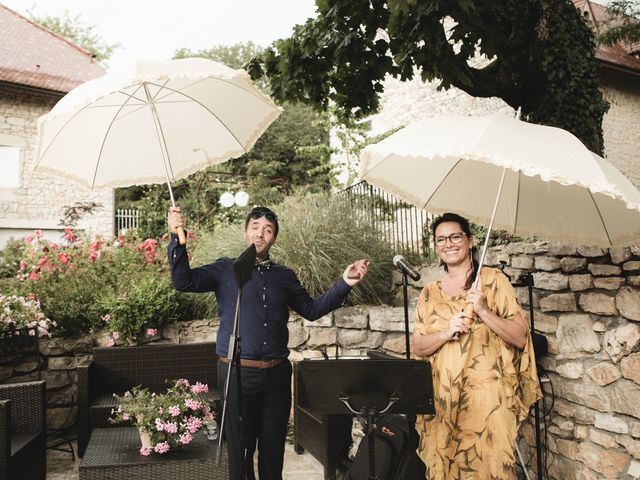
(166, 421)
(21, 323)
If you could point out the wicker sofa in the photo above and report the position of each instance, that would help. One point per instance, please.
(118, 369)
(22, 431)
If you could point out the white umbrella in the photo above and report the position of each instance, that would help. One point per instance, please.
(553, 186)
(152, 122)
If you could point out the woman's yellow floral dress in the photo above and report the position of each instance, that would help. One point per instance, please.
(483, 387)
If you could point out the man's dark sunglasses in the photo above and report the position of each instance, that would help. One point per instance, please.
(268, 214)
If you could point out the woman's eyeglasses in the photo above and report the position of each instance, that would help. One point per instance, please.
(455, 238)
(261, 212)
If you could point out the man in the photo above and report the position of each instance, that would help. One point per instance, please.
(264, 312)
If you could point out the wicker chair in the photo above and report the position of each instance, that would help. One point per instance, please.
(22, 431)
(118, 369)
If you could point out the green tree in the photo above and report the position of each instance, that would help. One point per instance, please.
(234, 56)
(75, 30)
(541, 57)
(624, 23)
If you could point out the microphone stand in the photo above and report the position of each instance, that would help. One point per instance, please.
(527, 280)
(243, 271)
(405, 294)
(411, 419)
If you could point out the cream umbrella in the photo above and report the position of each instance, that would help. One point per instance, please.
(152, 122)
(527, 179)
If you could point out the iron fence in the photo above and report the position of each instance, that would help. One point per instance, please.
(404, 226)
(127, 219)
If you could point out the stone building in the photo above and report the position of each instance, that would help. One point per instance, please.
(37, 68)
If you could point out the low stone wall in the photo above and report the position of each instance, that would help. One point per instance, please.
(586, 303)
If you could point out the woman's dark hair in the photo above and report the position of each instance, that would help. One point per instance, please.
(466, 228)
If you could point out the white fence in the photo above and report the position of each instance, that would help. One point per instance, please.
(127, 219)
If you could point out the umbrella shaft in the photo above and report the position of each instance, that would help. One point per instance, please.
(161, 140)
(493, 216)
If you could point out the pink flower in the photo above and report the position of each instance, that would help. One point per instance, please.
(149, 247)
(152, 332)
(106, 318)
(28, 239)
(43, 260)
(146, 451)
(199, 388)
(69, 236)
(23, 265)
(63, 258)
(111, 342)
(174, 411)
(125, 416)
(93, 256)
(159, 425)
(193, 424)
(183, 382)
(186, 438)
(115, 335)
(38, 234)
(171, 427)
(192, 404)
(34, 276)
(162, 447)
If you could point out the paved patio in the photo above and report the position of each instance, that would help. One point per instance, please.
(61, 467)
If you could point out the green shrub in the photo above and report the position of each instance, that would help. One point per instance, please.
(139, 303)
(10, 258)
(78, 281)
(319, 236)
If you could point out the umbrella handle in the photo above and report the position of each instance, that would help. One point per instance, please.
(182, 238)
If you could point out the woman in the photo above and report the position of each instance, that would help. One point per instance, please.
(484, 382)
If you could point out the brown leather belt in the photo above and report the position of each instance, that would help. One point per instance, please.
(245, 362)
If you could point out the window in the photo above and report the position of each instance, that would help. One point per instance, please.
(10, 167)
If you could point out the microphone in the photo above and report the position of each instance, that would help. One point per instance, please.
(401, 264)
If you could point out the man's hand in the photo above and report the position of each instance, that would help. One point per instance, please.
(356, 272)
(174, 219)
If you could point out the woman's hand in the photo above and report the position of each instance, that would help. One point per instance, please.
(460, 323)
(477, 299)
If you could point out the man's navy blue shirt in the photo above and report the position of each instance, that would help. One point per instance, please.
(264, 304)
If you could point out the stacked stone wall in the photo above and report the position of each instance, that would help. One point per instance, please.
(587, 304)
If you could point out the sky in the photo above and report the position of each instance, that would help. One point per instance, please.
(148, 29)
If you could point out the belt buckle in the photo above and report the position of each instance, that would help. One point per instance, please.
(266, 363)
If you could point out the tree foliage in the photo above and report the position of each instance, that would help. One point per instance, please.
(541, 57)
(76, 31)
(624, 23)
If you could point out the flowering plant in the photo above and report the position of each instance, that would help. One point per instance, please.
(168, 420)
(19, 312)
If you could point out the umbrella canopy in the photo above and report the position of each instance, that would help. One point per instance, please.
(554, 187)
(152, 122)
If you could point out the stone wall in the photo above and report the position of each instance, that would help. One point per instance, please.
(586, 303)
(622, 122)
(40, 200)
